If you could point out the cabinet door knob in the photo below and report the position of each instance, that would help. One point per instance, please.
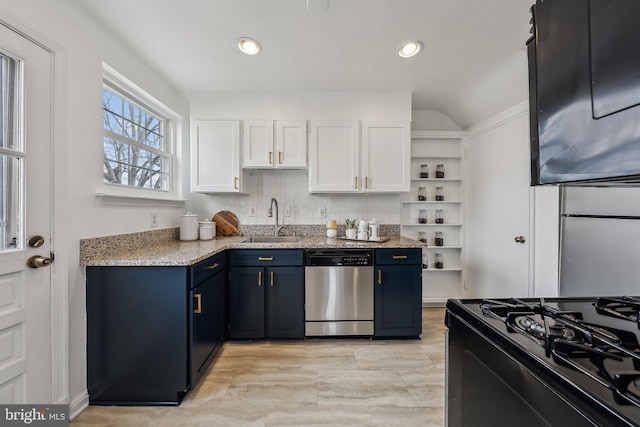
(379, 277)
(235, 183)
(280, 157)
(270, 157)
(520, 239)
(259, 278)
(272, 279)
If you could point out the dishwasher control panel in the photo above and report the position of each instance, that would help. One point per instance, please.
(344, 257)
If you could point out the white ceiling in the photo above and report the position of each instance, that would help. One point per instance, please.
(473, 64)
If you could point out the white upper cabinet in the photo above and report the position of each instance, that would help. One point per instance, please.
(265, 149)
(215, 156)
(291, 144)
(334, 156)
(386, 157)
(341, 161)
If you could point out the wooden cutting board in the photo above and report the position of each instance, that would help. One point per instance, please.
(226, 223)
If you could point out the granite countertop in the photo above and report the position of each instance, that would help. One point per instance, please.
(178, 253)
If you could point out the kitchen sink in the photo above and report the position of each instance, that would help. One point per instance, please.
(271, 239)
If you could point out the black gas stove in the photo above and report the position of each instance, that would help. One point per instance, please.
(537, 362)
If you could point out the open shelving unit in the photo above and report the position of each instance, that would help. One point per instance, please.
(435, 148)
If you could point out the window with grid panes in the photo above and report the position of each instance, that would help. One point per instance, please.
(137, 143)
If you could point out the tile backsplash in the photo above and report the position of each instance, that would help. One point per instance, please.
(291, 189)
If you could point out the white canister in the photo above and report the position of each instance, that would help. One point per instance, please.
(363, 225)
(207, 230)
(189, 226)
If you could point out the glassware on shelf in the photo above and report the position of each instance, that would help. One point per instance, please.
(424, 261)
(439, 194)
(440, 171)
(422, 236)
(439, 262)
(439, 240)
(422, 216)
(439, 216)
(422, 194)
(424, 171)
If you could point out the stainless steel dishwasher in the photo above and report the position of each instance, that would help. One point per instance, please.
(338, 292)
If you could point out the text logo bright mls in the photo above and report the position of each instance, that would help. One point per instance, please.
(39, 415)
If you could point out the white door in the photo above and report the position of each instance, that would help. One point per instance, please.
(498, 210)
(25, 211)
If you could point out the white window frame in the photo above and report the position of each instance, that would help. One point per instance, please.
(119, 194)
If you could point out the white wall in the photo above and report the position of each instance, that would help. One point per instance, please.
(82, 46)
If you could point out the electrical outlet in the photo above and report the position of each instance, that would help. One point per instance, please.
(322, 212)
(287, 210)
(252, 211)
(154, 219)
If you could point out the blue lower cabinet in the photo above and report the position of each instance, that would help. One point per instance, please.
(285, 303)
(151, 331)
(246, 302)
(266, 298)
(398, 294)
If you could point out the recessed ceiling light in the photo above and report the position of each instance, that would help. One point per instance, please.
(410, 49)
(248, 45)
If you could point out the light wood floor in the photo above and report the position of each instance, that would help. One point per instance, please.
(316, 382)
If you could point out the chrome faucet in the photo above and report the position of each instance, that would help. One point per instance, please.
(270, 214)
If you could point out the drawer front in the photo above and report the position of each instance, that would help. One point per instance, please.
(266, 257)
(207, 268)
(398, 256)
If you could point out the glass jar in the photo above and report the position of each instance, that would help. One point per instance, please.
(422, 194)
(424, 171)
(439, 194)
(439, 240)
(439, 216)
(424, 261)
(438, 262)
(440, 171)
(422, 236)
(422, 216)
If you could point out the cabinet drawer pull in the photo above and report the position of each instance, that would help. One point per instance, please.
(272, 279)
(213, 267)
(379, 277)
(399, 256)
(270, 157)
(356, 182)
(366, 182)
(198, 308)
(259, 278)
(280, 157)
(264, 258)
(235, 183)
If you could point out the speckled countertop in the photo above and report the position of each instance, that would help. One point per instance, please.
(177, 253)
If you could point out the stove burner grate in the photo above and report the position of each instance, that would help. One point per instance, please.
(572, 342)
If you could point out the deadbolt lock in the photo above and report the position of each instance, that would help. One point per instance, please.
(35, 241)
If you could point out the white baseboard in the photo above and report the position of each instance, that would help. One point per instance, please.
(78, 404)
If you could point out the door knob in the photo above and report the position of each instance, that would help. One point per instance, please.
(520, 239)
(37, 261)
